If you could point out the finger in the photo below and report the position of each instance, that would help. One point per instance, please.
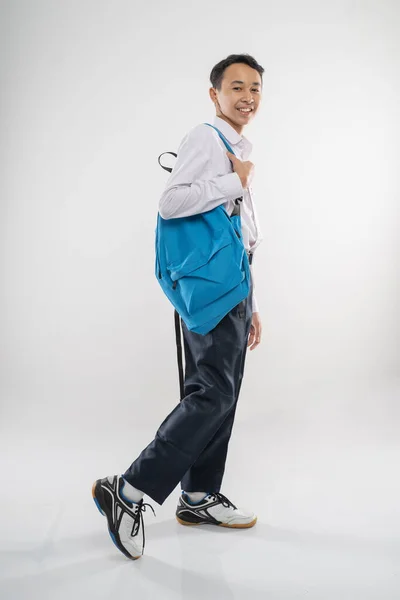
(251, 338)
(256, 341)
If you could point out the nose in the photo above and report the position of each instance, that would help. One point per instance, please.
(248, 98)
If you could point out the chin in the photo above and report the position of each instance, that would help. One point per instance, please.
(238, 121)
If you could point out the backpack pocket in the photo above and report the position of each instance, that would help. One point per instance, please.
(201, 280)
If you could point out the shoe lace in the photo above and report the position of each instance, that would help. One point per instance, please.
(223, 499)
(138, 519)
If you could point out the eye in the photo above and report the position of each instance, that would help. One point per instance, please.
(254, 89)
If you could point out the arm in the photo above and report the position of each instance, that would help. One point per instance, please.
(256, 327)
(255, 307)
(186, 192)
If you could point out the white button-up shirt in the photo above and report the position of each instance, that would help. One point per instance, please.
(202, 179)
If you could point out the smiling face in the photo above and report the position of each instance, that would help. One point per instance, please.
(241, 88)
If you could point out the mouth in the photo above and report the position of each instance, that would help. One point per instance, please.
(246, 112)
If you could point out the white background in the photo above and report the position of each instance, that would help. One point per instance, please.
(91, 93)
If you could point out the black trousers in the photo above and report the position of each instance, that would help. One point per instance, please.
(191, 444)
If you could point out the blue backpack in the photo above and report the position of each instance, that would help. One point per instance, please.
(201, 263)
(202, 266)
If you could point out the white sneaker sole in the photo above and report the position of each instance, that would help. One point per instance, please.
(231, 525)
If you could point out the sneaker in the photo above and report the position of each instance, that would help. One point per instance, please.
(214, 509)
(124, 517)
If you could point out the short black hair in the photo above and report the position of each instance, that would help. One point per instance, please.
(217, 72)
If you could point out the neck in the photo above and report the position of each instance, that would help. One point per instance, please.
(236, 127)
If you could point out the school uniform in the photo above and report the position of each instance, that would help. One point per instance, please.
(191, 444)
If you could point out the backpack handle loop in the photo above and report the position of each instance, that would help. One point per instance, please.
(169, 169)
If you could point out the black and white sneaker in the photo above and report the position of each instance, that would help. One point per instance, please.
(124, 517)
(213, 509)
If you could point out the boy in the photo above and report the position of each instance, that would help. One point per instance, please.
(191, 444)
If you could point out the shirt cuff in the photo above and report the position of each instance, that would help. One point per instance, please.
(255, 307)
(231, 185)
(254, 303)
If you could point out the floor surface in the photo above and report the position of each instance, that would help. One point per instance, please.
(322, 477)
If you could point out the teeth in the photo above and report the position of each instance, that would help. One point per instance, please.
(244, 109)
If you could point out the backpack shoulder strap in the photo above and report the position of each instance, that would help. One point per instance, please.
(236, 210)
(223, 138)
(179, 353)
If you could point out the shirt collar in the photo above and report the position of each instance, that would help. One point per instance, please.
(233, 137)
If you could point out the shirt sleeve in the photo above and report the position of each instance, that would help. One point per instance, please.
(255, 307)
(187, 192)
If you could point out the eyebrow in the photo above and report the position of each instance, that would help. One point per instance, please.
(237, 81)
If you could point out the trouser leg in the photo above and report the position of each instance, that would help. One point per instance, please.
(207, 472)
(211, 390)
